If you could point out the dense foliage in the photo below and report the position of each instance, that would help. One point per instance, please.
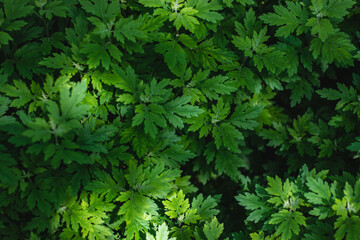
(179, 119)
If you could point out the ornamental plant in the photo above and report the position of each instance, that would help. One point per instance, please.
(179, 119)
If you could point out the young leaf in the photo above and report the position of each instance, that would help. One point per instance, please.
(176, 205)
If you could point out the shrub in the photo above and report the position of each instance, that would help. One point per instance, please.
(148, 119)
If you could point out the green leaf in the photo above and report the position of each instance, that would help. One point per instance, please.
(134, 209)
(125, 80)
(246, 2)
(68, 156)
(201, 122)
(207, 10)
(319, 231)
(162, 233)
(338, 48)
(227, 135)
(152, 117)
(185, 19)
(347, 227)
(340, 207)
(346, 95)
(5, 38)
(244, 117)
(220, 111)
(55, 8)
(261, 236)
(327, 148)
(290, 223)
(40, 199)
(176, 205)
(174, 56)
(173, 156)
(332, 94)
(130, 29)
(80, 177)
(107, 184)
(273, 61)
(355, 146)
(34, 236)
(205, 207)
(300, 89)
(212, 87)
(244, 44)
(187, 40)
(39, 130)
(102, 9)
(339, 8)
(216, 86)
(322, 27)
(191, 217)
(140, 141)
(97, 53)
(227, 162)
(89, 215)
(320, 191)
(178, 108)
(213, 229)
(275, 186)
(208, 55)
(246, 78)
(15, 9)
(290, 18)
(249, 201)
(254, 203)
(7, 175)
(183, 232)
(19, 91)
(158, 181)
(60, 61)
(71, 102)
(152, 3)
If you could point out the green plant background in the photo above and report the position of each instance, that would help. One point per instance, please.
(174, 119)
